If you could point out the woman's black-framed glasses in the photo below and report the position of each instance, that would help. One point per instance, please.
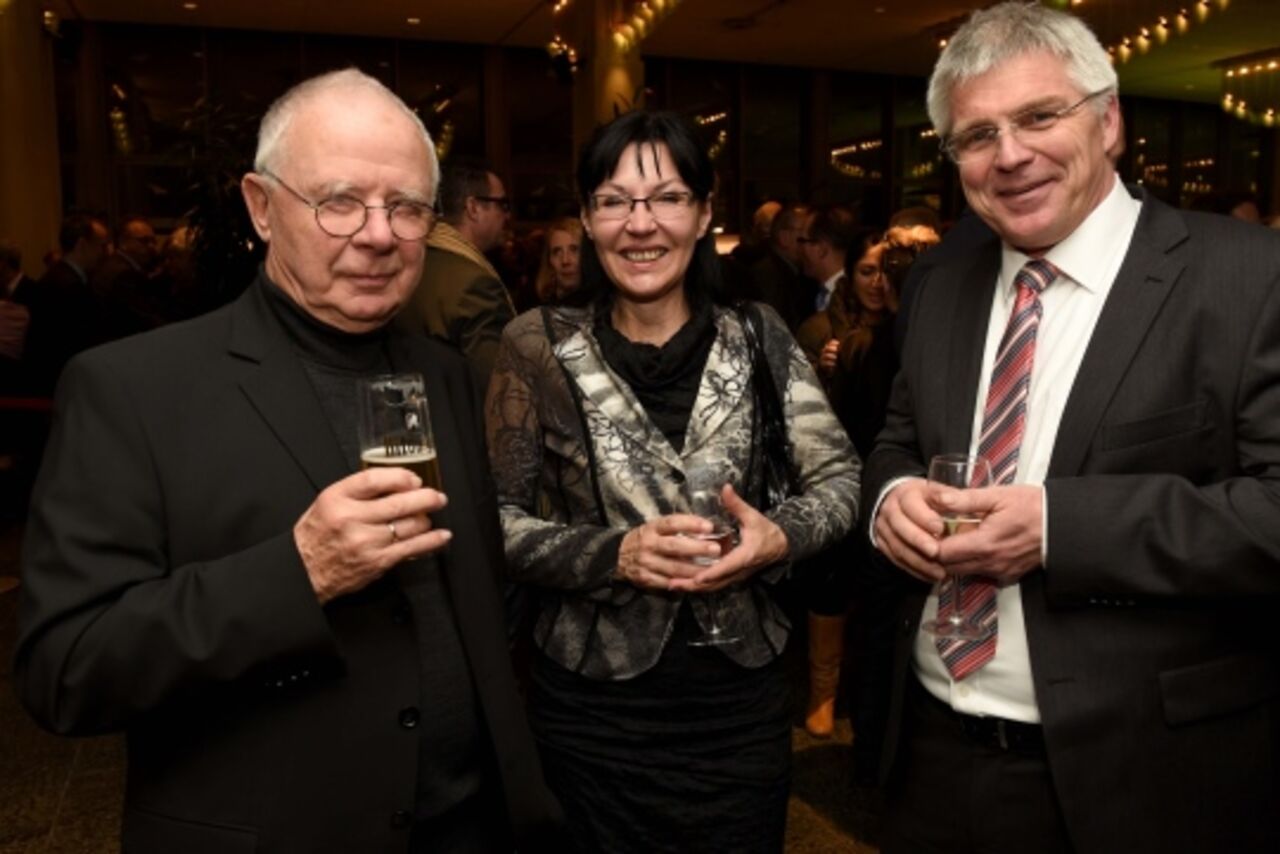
(670, 205)
(344, 216)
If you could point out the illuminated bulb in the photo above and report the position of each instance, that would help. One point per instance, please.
(1162, 30)
(640, 25)
(942, 43)
(1230, 73)
(1183, 22)
(1202, 11)
(620, 41)
(1144, 44)
(658, 5)
(413, 22)
(628, 34)
(646, 12)
(1123, 52)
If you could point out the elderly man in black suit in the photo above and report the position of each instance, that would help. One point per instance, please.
(304, 656)
(1118, 362)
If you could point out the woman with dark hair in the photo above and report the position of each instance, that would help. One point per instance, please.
(657, 695)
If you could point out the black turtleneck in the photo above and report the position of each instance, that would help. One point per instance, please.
(446, 713)
(664, 379)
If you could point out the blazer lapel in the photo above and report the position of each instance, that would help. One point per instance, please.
(1144, 282)
(970, 312)
(580, 355)
(724, 381)
(278, 388)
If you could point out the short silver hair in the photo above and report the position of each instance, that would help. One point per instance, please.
(994, 36)
(276, 121)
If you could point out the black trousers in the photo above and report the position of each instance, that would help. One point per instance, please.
(951, 794)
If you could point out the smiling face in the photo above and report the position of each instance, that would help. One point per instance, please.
(1036, 188)
(355, 142)
(646, 258)
(563, 249)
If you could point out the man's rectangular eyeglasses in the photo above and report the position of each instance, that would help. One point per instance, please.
(983, 140)
(501, 201)
(670, 205)
(344, 216)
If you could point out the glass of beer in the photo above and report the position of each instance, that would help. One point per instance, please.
(395, 429)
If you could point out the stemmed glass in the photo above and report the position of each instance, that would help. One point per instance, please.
(960, 471)
(705, 483)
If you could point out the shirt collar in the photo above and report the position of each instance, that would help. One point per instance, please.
(833, 280)
(1085, 255)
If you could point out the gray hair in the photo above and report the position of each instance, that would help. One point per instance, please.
(281, 114)
(994, 36)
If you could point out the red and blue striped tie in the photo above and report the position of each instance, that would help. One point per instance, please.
(1003, 421)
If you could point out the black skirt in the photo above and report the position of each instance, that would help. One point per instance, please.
(693, 755)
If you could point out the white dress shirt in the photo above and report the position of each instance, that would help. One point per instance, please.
(1088, 261)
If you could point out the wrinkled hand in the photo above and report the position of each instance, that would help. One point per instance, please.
(656, 556)
(908, 528)
(829, 357)
(1006, 544)
(761, 543)
(345, 536)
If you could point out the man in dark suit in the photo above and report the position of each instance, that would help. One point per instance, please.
(123, 283)
(1118, 361)
(777, 278)
(303, 658)
(64, 312)
(15, 317)
(461, 298)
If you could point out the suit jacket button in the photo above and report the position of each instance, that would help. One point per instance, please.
(409, 717)
(400, 819)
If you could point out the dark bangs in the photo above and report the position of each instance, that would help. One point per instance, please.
(598, 161)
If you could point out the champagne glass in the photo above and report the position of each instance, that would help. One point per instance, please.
(394, 428)
(705, 483)
(960, 471)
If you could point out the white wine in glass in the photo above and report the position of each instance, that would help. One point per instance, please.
(960, 471)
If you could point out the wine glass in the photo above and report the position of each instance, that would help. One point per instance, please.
(705, 483)
(960, 471)
(394, 429)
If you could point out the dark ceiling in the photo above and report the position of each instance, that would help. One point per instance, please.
(870, 35)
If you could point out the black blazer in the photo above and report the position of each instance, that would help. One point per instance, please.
(1152, 627)
(163, 594)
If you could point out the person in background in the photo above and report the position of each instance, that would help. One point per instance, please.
(1123, 691)
(777, 279)
(16, 288)
(605, 423)
(65, 314)
(304, 656)
(560, 272)
(123, 282)
(845, 343)
(461, 298)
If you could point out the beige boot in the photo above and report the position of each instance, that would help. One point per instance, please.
(826, 648)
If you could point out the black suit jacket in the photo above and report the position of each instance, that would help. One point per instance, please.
(163, 594)
(1152, 626)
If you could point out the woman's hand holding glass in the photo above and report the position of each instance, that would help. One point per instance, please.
(761, 543)
(661, 554)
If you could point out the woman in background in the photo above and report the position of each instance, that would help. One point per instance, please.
(561, 272)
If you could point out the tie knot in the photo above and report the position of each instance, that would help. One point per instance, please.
(1036, 275)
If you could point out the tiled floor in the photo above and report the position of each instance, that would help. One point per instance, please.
(62, 796)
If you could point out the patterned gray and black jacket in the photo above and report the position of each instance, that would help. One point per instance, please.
(572, 481)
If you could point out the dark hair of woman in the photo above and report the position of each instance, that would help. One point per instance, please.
(599, 160)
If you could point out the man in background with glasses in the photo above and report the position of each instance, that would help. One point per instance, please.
(304, 656)
(1118, 363)
(462, 298)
